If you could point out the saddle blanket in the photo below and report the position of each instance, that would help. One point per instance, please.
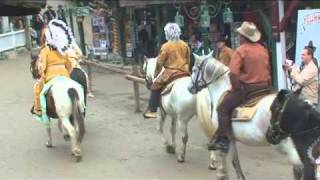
(246, 110)
(43, 102)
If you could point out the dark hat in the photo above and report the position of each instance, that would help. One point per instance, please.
(222, 39)
(311, 46)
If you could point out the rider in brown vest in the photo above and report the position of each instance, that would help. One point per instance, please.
(249, 73)
(174, 57)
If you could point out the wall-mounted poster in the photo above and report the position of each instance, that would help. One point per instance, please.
(308, 29)
(100, 36)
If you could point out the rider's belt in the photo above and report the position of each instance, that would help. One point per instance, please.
(259, 84)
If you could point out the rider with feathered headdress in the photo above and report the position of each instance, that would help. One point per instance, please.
(57, 57)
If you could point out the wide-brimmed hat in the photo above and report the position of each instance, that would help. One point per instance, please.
(250, 31)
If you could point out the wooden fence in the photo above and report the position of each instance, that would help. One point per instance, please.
(133, 76)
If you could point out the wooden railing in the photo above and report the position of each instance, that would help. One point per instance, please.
(131, 76)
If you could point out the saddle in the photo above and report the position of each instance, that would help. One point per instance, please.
(168, 87)
(246, 111)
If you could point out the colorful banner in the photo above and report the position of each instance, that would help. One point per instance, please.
(308, 29)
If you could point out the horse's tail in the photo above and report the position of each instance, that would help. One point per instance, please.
(204, 113)
(81, 77)
(77, 115)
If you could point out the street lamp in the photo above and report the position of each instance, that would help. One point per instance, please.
(179, 19)
(227, 16)
(205, 17)
(204, 21)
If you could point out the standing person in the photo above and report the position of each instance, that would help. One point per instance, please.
(249, 73)
(174, 57)
(306, 77)
(204, 49)
(61, 14)
(224, 52)
(37, 24)
(49, 14)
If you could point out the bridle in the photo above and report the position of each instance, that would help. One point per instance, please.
(201, 72)
(277, 133)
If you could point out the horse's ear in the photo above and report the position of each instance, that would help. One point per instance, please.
(282, 95)
(196, 57)
(210, 54)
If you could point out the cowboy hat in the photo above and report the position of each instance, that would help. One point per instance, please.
(250, 31)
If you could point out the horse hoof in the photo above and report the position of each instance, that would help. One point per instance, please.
(78, 158)
(180, 159)
(66, 137)
(212, 167)
(49, 145)
(170, 149)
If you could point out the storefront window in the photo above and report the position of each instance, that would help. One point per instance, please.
(18, 22)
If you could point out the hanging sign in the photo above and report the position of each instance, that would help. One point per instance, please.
(308, 27)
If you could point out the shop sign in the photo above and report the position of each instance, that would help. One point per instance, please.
(307, 27)
(81, 11)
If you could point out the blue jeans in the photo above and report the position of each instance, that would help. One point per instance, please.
(154, 100)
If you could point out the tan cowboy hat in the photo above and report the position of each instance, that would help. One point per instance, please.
(250, 31)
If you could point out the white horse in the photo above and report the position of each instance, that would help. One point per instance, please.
(180, 105)
(65, 101)
(210, 73)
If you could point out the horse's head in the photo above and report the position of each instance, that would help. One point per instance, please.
(206, 70)
(33, 64)
(148, 70)
(290, 116)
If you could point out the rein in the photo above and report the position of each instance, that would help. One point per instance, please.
(305, 131)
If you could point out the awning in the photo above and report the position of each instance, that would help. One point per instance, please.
(21, 7)
(126, 3)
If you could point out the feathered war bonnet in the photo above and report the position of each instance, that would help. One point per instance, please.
(59, 36)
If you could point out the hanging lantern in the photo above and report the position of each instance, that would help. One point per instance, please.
(205, 19)
(179, 19)
(227, 16)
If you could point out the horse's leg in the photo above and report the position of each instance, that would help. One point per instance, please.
(236, 161)
(171, 148)
(183, 128)
(60, 126)
(222, 170)
(213, 161)
(161, 121)
(288, 148)
(63, 130)
(75, 149)
(308, 170)
(297, 172)
(49, 142)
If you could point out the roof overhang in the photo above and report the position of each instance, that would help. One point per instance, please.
(126, 3)
(21, 7)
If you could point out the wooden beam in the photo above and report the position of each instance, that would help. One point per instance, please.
(135, 71)
(288, 14)
(106, 67)
(135, 79)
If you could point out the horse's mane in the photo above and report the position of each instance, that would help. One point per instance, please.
(299, 109)
(218, 68)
